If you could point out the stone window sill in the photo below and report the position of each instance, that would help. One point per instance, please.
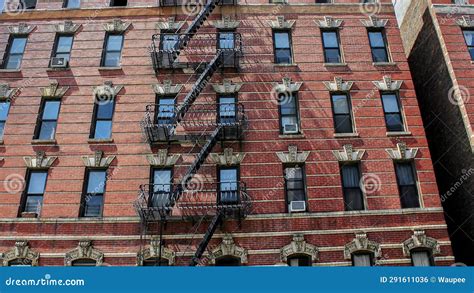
(53, 69)
(384, 63)
(10, 70)
(398, 133)
(335, 64)
(286, 64)
(43, 141)
(296, 135)
(101, 140)
(346, 135)
(110, 68)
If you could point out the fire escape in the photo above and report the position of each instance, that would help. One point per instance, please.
(194, 122)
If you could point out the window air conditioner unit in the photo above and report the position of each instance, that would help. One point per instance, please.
(58, 62)
(297, 206)
(290, 128)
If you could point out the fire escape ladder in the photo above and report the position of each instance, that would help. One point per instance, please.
(218, 218)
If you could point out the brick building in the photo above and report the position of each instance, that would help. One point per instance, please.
(247, 133)
(444, 31)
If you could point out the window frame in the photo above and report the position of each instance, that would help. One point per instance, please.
(423, 249)
(7, 55)
(40, 120)
(382, 31)
(339, 45)
(167, 32)
(362, 194)
(218, 261)
(85, 194)
(4, 122)
(297, 115)
(285, 182)
(218, 106)
(225, 31)
(465, 41)
(95, 112)
(400, 110)
(152, 181)
(299, 257)
(112, 4)
(25, 194)
(157, 108)
(363, 252)
(54, 52)
(415, 178)
(290, 45)
(219, 183)
(66, 3)
(105, 51)
(351, 114)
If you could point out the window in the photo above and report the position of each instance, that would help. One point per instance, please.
(168, 40)
(378, 45)
(226, 40)
(323, 1)
(332, 51)
(112, 50)
(27, 4)
(102, 119)
(166, 109)
(155, 262)
(353, 197)
(4, 109)
(299, 261)
(393, 115)
(161, 181)
(227, 109)
(20, 262)
(289, 114)
(35, 186)
(342, 113)
(294, 184)
(62, 47)
(228, 185)
(14, 55)
(469, 38)
(228, 261)
(407, 185)
(362, 259)
(282, 47)
(84, 262)
(72, 3)
(47, 120)
(118, 3)
(421, 258)
(93, 198)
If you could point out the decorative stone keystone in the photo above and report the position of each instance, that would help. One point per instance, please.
(7, 93)
(287, 86)
(402, 152)
(226, 23)
(348, 154)
(361, 243)
(374, 22)
(84, 250)
(281, 23)
(116, 26)
(465, 21)
(163, 159)
(228, 248)
(21, 29)
(227, 158)
(107, 90)
(21, 251)
(293, 156)
(166, 88)
(97, 160)
(68, 27)
(227, 87)
(299, 246)
(53, 91)
(386, 84)
(154, 251)
(170, 25)
(40, 161)
(338, 85)
(329, 22)
(420, 240)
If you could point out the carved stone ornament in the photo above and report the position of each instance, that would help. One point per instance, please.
(20, 251)
(387, 84)
(227, 158)
(281, 23)
(361, 243)
(292, 156)
(21, 29)
(348, 154)
(84, 250)
(402, 152)
(227, 87)
(116, 26)
(154, 251)
(40, 161)
(166, 88)
(299, 246)
(108, 90)
(226, 23)
(420, 240)
(338, 85)
(162, 159)
(170, 24)
(465, 21)
(329, 22)
(374, 22)
(67, 27)
(228, 248)
(98, 160)
(53, 91)
(287, 86)
(7, 93)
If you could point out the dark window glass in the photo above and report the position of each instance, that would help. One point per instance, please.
(378, 46)
(353, 197)
(72, 3)
(15, 51)
(407, 185)
(84, 262)
(20, 262)
(27, 4)
(226, 40)
(118, 3)
(227, 109)
(299, 261)
(393, 115)
(323, 1)
(289, 116)
(168, 41)
(282, 47)
(4, 109)
(362, 259)
(421, 258)
(94, 193)
(63, 47)
(112, 51)
(165, 110)
(36, 185)
(332, 52)
(161, 187)
(228, 261)
(228, 185)
(48, 120)
(102, 122)
(295, 184)
(155, 262)
(342, 113)
(469, 37)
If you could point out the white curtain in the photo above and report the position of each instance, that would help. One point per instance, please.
(362, 260)
(420, 259)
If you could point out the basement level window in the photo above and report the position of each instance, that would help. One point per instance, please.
(118, 3)
(27, 4)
